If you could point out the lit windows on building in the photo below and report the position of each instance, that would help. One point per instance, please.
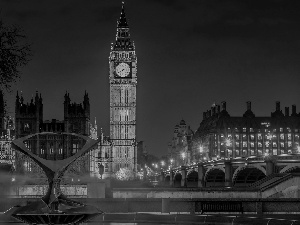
(289, 137)
(252, 144)
(259, 144)
(244, 137)
(237, 137)
(237, 144)
(259, 152)
(282, 144)
(274, 145)
(274, 130)
(281, 129)
(251, 129)
(281, 136)
(244, 144)
(244, 129)
(274, 151)
(267, 144)
(259, 137)
(252, 137)
(289, 144)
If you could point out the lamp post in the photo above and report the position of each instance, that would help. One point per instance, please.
(183, 155)
(101, 169)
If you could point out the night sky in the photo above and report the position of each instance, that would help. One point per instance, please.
(190, 54)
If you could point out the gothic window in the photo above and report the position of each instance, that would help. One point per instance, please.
(75, 148)
(106, 153)
(51, 148)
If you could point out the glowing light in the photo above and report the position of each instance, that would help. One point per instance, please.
(13, 179)
(227, 142)
(183, 155)
(162, 163)
(201, 149)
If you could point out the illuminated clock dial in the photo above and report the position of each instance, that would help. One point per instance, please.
(123, 69)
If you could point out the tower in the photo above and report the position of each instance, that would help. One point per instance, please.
(123, 83)
(28, 116)
(77, 116)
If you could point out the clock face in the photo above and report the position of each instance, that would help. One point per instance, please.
(123, 69)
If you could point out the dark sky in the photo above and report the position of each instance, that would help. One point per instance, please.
(190, 54)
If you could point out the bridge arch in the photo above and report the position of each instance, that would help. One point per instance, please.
(245, 175)
(192, 176)
(215, 176)
(291, 168)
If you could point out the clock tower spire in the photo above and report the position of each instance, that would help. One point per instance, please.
(123, 83)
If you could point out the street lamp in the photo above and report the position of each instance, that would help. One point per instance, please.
(183, 155)
(101, 169)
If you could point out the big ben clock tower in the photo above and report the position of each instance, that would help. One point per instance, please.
(123, 82)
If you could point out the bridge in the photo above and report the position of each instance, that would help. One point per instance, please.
(231, 172)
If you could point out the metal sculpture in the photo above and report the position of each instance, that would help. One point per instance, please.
(55, 207)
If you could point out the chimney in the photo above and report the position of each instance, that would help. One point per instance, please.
(218, 109)
(223, 105)
(213, 109)
(287, 111)
(294, 110)
(204, 115)
(248, 105)
(277, 105)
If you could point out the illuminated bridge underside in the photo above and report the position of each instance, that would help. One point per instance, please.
(248, 176)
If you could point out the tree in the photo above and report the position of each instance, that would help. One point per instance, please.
(15, 52)
(125, 174)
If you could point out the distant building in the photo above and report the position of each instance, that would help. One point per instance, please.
(223, 136)
(179, 149)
